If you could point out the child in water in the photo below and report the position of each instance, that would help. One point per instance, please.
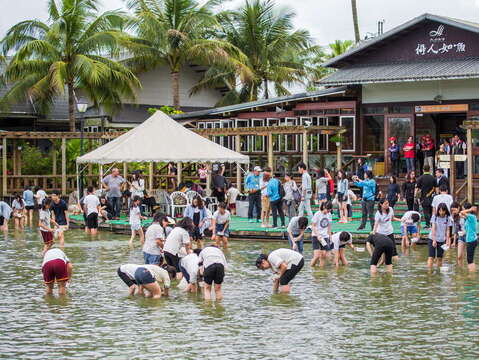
(135, 221)
(470, 225)
(439, 235)
(383, 222)
(44, 223)
(221, 221)
(458, 234)
(321, 224)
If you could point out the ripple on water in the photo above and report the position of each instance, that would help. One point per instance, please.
(342, 314)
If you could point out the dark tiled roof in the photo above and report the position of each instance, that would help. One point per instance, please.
(260, 103)
(462, 24)
(136, 114)
(406, 71)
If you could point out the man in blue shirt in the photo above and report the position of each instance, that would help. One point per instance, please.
(276, 201)
(29, 204)
(252, 187)
(369, 195)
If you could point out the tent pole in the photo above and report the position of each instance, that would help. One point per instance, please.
(150, 178)
(178, 176)
(238, 167)
(208, 179)
(100, 171)
(78, 184)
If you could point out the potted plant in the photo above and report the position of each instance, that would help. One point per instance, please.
(338, 139)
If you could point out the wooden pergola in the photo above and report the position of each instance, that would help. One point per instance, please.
(14, 136)
(469, 126)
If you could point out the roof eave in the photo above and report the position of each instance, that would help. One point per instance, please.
(382, 81)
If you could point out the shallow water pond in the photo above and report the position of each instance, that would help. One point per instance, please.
(330, 314)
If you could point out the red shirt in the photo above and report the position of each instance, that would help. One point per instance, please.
(411, 153)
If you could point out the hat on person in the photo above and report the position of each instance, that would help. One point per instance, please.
(257, 168)
(392, 138)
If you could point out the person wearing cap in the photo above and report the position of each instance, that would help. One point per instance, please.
(252, 187)
(394, 155)
(409, 150)
(379, 245)
(285, 264)
(339, 241)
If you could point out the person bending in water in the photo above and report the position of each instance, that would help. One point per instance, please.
(285, 263)
(339, 241)
(190, 269)
(297, 226)
(379, 246)
(56, 267)
(179, 237)
(213, 264)
(149, 277)
(410, 226)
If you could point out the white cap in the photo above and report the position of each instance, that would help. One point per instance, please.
(257, 168)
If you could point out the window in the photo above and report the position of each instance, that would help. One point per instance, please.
(349, 136)
(316, 112)
(242, 123)
(276, 138)
(201, 125)
(373, 133)
(291, 141)
(258, 142)
(397, 109)
(375, 110)
(331, 111)
(317, 141)
(347, 111)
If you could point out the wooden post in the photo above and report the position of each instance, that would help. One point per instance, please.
(208, 179)
(270, 151)
(125, 170)
(64, 166)
(4, 167)
(150, 178)
(100, 172)
(19, 163)
(470, 189)
(14, 158)
(90, 165)
(54, 158)
(452, 176)
(238, 167)
(339, 160)
(178, 175)
(305, 147)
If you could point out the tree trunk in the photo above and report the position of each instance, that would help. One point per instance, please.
(71, 107)
(357, 36)
(266, 90)
(175, 88)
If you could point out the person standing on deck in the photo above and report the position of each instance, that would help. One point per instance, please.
(60, 215)
(306, 191)
(429, 151)
(368, 198)
(441, 179)
(276, 201)
(361, 169)
(458, 147)
(409, 150)
(290, 188)
(29, 204)
(253, 189)
(394, 156)
(409, 190)
(112, 184)
(424, 190)
(285, 264)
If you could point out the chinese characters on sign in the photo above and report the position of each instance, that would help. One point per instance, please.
(423, 49)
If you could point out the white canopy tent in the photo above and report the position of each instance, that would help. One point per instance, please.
(161, 139)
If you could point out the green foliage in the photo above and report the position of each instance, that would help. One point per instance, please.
(168, 110)
(34, 161)
(73, 51)
(336, 138)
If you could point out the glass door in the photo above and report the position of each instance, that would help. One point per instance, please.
(401, 128)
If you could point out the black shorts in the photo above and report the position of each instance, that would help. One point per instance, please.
(196, 234)
(2, 221)
(30, 207)
(126, 279)
(214, 273)
(172, 260)
(291, 273)
(470, 249)
(436, 252)
(383, 247)
(395, 252)
(318, 246)
(92, 221)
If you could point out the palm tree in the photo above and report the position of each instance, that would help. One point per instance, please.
(178, 33)
(74, 50)
(276, 53)
(357, 36)
(339, 47)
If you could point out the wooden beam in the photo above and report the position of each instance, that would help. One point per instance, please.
(4, 167)
(238, 167)
(470, 175)
(452, 176)
(54, 158)
(64, 166)
(58, 135)
(305, 147)
(264, 131)
(270, 151)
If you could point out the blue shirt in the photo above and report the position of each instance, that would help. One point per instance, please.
(471, 227)
(252, 182)
(369, 188)
(273, 190)
(28, 197)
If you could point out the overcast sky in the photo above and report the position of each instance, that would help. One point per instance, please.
(327, 20)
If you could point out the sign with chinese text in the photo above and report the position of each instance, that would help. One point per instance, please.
(441, 108)
(438, 43)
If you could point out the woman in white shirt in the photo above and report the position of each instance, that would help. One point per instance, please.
(137, 186)
(383, 222)
(179, 237)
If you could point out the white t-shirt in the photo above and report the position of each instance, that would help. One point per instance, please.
(155, 231)
(321, 224)
(212, 255)
(279, 256)
(91, 203)
(351, 196)
(190, 264)
(18, 205)
(221, 218)
(138, 186)
(407, 218)
(336, 242)
(41, 195)
(177, 238)
(232, 194)
(135, 214)
(385, 225)
(129, 269)
(54, 254)
(44, 216)
(262, 183)
(160, 274)
(442, 198)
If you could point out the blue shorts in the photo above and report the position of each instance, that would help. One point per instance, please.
(143, 276)
(151, 259)
(219, 228)
(322, 196)
(410, 230)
